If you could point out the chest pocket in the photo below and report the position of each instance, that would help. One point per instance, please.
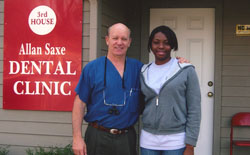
(133, 99)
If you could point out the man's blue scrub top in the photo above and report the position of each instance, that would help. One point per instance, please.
(91, 90)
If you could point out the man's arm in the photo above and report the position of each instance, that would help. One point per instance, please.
(79, 146)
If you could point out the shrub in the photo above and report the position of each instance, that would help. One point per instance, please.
(67, 150)
(4, 150)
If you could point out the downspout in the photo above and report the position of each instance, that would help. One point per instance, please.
(93, 29)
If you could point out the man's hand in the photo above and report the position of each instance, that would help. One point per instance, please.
(79, 146)
(182, 60)
(189, 150)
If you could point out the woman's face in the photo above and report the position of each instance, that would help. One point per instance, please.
(161, 48)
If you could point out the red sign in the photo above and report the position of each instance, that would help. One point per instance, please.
(42, 53)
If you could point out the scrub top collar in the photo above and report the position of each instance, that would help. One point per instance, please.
(105, 70)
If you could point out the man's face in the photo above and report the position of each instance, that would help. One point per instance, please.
(118, 40)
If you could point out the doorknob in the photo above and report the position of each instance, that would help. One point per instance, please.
(210, 94)
(210, 83)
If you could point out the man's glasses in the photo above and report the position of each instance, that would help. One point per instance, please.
(114, 104)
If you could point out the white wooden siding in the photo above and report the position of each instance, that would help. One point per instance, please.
(235, 73)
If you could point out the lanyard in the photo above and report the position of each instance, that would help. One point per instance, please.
(105, 69)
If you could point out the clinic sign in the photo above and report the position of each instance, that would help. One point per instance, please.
(42, 53)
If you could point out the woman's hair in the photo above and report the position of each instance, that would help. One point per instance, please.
(172, 40)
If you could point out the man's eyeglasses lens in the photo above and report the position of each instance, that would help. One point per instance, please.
(114, 111)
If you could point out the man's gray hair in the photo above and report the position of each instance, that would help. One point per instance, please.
(116, 24)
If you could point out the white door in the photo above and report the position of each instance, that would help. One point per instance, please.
(195, 30)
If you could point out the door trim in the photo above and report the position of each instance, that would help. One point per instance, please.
(218, 79)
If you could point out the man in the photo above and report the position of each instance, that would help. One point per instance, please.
(109, 88)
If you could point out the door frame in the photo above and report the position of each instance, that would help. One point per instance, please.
(145, 22)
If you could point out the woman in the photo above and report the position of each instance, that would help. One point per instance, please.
(171, 118)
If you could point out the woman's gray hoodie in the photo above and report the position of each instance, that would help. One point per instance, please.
(177, 107)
